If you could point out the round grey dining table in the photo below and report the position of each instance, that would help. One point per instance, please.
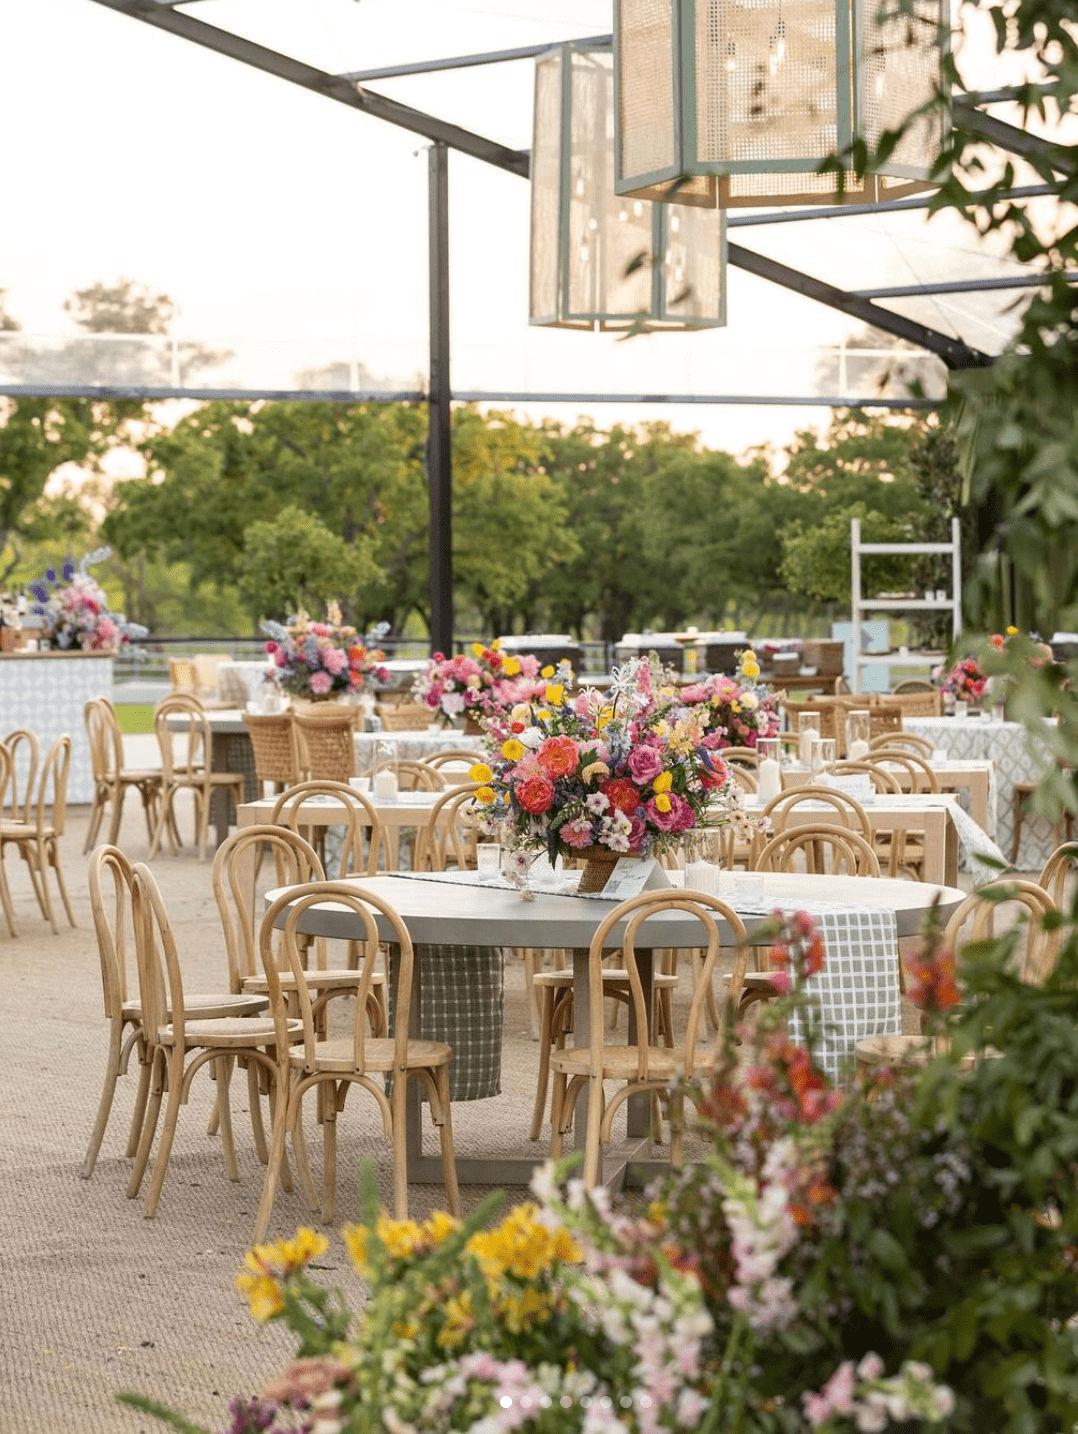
(456, 909)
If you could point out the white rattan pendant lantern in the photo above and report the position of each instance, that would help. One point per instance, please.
(598, 260)
(742, 99)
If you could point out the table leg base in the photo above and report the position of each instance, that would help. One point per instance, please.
(627, 1167)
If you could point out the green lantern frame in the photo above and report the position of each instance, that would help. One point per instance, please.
(598, 261)
(738, 102)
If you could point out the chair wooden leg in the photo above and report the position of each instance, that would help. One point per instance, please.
(149, 1126)
(224, 1112)
(116, 815)
(254, 1100)
(546, 1040)
(138, 1114)
(276, 1155)
(593, 1149)
(54, 862)
(168, 1133)
(445, 1137)
(97, 812)
(108, 1090)
(329, 1155)
(37, 861)
(303, 1164)
(399, 1105)
(5, 897)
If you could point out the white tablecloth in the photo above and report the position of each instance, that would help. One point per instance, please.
(406, 746)
(1006, 745)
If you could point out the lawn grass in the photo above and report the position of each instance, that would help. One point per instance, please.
(136, 718)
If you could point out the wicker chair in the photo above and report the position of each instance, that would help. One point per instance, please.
(914, 704)
(327, 750)
(405, 717)
(273, 740)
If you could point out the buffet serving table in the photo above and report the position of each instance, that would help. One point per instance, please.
(46, 693)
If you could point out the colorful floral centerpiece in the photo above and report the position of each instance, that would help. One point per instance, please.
(323, 660)
(479, 683)
(74, 610)
(966, 681)
(740, 710)
(603, 774)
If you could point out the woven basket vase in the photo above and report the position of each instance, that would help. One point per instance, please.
(599, 862)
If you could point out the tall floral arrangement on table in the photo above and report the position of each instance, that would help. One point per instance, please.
(630, 770)
(74, 609)
(965, 681)
(321, 660)
(480, 683)
(741, 709)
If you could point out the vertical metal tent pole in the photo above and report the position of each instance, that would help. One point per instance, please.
(439, 437)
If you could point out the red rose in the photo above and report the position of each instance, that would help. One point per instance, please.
(535, 794)
(557, 755)
(621, 793)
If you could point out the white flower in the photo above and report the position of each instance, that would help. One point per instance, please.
(452, 704)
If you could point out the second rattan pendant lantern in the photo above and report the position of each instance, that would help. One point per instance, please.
(737, 102)
(599, 261)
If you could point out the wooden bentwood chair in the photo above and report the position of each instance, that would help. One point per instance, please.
(334, 1065)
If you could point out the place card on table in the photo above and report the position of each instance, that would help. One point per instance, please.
(631, 876)
(854, 784)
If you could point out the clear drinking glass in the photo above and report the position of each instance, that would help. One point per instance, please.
(822, 755)
(808, 731)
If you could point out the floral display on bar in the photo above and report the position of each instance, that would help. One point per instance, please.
(74, 610)
(740, 710)
(482, 682)
(324, 660)
(630, 770)
(966, 681)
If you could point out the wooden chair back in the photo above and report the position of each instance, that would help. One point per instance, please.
(327, 749)
(882, 780)
(919, 775)
(160, 980)
(919, 703)
(295, 863)
(741, 757)
(106, 756)
(186, 747)
(275, 747)
(205, 665)
(453, 756)
(25, 752)
(899, 741)
(181, 674)
(911, 684)
(1058, 875)
(978, 919)
(883, 716)
(830, 712)
(816, 850)
(451, 835)
(363, 826)
(281, 940)
(49, 811)
(404, 716)
(412, 776)
(841, 810)
(110, 877)
(709, 910)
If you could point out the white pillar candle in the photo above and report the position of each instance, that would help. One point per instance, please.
(385, 785)
(701, 876)
(859, 749)
(769, 779)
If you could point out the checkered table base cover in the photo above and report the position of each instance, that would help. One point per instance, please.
(857, 990)
(463, 1000)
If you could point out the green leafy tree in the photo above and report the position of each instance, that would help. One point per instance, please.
(37, 435)
(294, 561)
(816, 557)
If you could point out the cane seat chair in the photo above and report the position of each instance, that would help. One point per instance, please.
(884, 716)
(451, 835)
(912, 684)
(110, 876)
(333, 1065)
(364, 830)
(276, 750)
(25, 752)
(454, 757)
(295, 863)
(901, 741)
(327, 748)
(37, 839)
(185, 740)
(112, 779)
(913, 704)
(640, 1066)
(403, 716)
(1058, 874)
(977, 919)
(818, 849)
(412, 776)
(170, 1036)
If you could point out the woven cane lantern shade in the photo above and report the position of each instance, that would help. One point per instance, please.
(742, 99)
(598, 260)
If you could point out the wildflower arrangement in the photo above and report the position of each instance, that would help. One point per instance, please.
(740, 710)
(74, 610)
(320, 660)
(966, 681)
(631, 770)
(480, 683)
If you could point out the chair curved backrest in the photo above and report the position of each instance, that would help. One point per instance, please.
(884, 715)
(295, 863)
(358, 816)
(404, 716)
(276, 750)
(110, 876)
(896, 741)
(327, 749)
(920, 775)
(843, 809)
(25, 752)
(741, 756)
(50, 806)
(976, 920)
(709, 910)
(412, 776)
(160, 980)
(450, 837)
(183, 730)
(105, 760)
(280, 940)
(915, 703)
(453, 756)
(1057, 876)
(912, 684)
(882, 780)
(825, 849)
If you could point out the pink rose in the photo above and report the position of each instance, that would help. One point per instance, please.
(321, 683)
(334, 660)
(661, 821)
(535, 794)
(682, 812)
(577, 833)
(645, 763)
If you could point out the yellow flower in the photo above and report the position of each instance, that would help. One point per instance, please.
(512, 750)
(459, 1320)
(510, 667)
(750, 667)
(438, 1227)
(478, 649)
(662, 802)
(593, 770)
(521, 1246)
(554, 693)
(405, 1329)
(480, 772)
(496, 644)
(663, 782)
(263, 1295)
(355, 1240)
(400, 1237)
(547, 671)
(265, 1265)
(604, 717)
(484, 796)
(520, 1311)
(1012, 632)
(542, 715)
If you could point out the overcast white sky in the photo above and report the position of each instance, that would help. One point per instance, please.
(294, 230)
